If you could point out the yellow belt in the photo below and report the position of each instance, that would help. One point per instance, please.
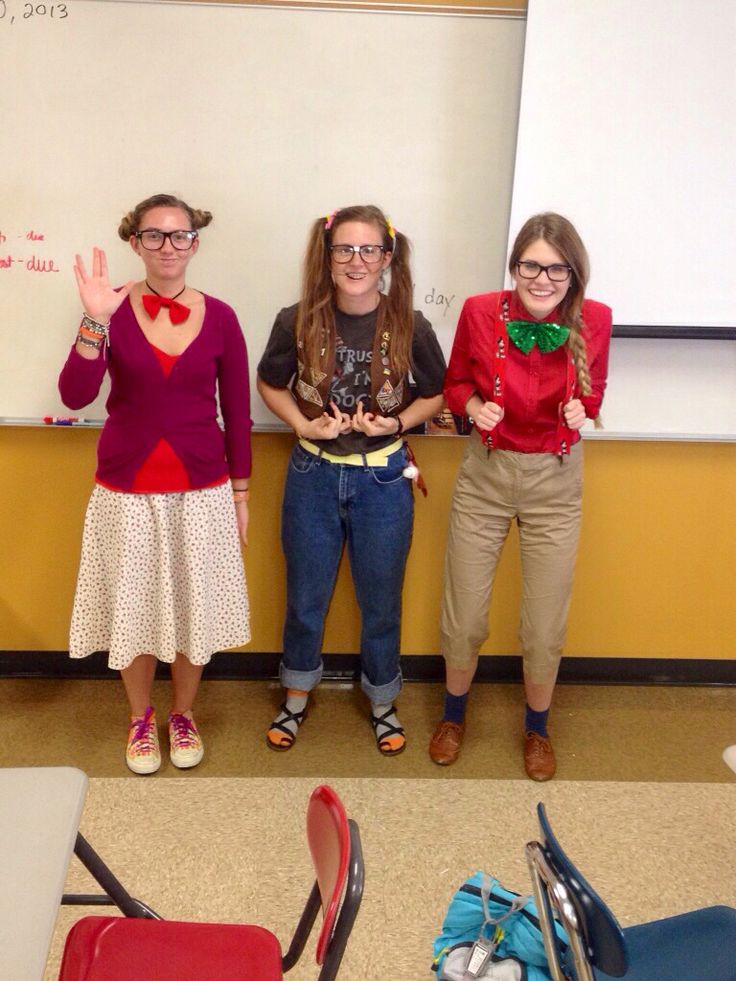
(376, 458)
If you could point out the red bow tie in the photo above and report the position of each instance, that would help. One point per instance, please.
(178, 313)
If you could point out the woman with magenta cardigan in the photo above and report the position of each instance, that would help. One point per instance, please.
(161, 575)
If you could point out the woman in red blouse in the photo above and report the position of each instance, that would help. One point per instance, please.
(161, 575)
(528, 366)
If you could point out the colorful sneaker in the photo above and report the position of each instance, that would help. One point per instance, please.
(143, 754)
(186, 746)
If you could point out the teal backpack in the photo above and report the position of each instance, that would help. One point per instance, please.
(494, 932)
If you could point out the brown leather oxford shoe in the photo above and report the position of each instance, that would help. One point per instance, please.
(444, 746)
(539, 757)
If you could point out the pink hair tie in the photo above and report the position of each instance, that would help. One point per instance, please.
(329, 219)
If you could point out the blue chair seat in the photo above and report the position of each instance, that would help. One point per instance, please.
(695, 946)
(699, 946)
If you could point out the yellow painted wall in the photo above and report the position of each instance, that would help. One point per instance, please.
(655, 573)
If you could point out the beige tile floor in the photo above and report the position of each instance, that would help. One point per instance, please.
(611, 733)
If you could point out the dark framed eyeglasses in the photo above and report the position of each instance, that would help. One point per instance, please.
(153, 238)
(368, 253)
(557, 272)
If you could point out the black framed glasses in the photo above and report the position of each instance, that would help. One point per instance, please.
(557, 272)
(368, 253)
(153, 238)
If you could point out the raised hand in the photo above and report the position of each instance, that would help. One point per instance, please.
(99, 299)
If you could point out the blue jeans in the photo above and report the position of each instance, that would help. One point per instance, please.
(372, 509)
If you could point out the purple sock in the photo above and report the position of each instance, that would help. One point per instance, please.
(536, 721)
(455, 708)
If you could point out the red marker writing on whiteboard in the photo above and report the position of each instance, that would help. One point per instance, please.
(62, 420)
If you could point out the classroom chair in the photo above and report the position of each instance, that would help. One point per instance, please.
(698, 945)
(100, 948)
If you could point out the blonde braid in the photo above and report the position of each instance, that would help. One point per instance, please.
(579, 353)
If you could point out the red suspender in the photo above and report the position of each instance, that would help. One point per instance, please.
(498, 374)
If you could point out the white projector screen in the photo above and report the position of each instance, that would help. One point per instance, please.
(627, 125)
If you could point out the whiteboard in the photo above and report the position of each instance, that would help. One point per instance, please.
(267, 117)
(627, 125)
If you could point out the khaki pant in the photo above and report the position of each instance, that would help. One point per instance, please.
(544, 495)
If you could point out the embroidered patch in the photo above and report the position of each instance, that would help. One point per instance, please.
(308, 392)
(388, 397)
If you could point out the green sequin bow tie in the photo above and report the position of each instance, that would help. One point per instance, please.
(526, 333)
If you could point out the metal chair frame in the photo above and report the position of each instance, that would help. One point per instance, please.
(115, 893)
(346, 917)
(599, 947)
(551, 896)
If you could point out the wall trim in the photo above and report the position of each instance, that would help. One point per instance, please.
(230, 665)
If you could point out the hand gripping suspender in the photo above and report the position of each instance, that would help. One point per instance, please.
(498, 372)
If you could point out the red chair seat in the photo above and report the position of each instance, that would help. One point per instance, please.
(111, 948)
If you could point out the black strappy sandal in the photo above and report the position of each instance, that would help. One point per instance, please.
(289, 738)
(389, 730)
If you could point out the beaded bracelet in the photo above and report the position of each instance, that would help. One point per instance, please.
(88, 342)
(241, 496)
(95, 327)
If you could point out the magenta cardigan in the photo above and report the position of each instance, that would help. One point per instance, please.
(144, 406)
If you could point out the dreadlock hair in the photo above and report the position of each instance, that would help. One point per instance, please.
(131, 223)
(560, 233)
(316, 313)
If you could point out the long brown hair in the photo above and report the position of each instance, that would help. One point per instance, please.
(130, 223)
(316, 315)
(561, 234)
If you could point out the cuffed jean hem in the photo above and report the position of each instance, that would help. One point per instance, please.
(300, 680)
(381, 694)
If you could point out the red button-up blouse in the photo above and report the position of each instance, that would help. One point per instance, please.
(534, 383)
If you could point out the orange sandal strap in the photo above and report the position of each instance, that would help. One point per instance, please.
(388, 730)
(288, 738)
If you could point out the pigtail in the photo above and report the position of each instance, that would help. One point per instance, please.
(315, 319)
(400, 304)
(579, 354)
